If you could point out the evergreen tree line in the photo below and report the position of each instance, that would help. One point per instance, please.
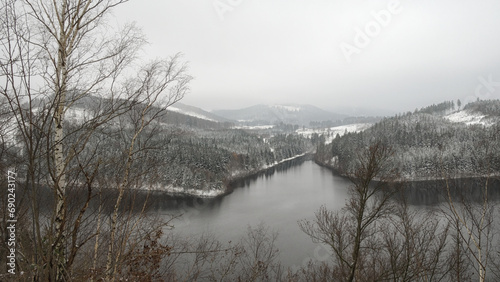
(427, 145)
(211, 159)
(185, 156)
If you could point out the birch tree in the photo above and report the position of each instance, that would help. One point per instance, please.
(471, 212)
(56, 54)
(474, 228)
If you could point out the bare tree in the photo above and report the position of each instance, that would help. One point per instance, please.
(414, 244)
(152, 82)
(471, 213)
(377, 236)
(259, 259)
(474, 229)
(351, 233)
(58, 57)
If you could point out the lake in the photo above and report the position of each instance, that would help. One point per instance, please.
(277, 198)
(280, 198)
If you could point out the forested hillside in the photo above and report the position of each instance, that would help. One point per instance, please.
(185, 154)
(429, 143)
(207, 160)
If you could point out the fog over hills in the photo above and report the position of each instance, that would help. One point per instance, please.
(273, 114)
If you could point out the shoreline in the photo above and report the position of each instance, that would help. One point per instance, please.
(229, 182)
(242, 177)
(337, 172)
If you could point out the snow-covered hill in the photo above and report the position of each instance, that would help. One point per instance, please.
(481, 112)
(274, 114)
(80, 112)
(196, 112)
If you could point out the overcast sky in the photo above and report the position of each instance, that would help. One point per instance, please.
(378, 54)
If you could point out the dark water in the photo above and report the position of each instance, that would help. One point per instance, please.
(282, 197)
(276, 199)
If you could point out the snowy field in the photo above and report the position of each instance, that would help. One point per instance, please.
(331, 132)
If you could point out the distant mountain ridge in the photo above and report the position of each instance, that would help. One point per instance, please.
(274, 114)
(196, 112)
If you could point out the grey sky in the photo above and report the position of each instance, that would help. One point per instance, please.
(246, 52)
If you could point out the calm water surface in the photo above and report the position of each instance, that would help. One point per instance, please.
(281, 198)
(278, 200)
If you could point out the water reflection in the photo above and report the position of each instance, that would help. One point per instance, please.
(280, 197)
(435, 192)
(417, 193)
(164, 202)
(280, 168)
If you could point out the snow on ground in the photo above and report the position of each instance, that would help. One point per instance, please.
(341, 130)
(193, 114)
(468, 118)
(282, 161)
(330, 133)
(253, 127)
(307, 132)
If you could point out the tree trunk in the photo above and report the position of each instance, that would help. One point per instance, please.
(110, 268)
(59, 156)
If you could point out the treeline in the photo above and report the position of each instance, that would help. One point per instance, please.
(347, 120)
(209, 160)
(426, 145)
(185, 153)
(439, 109)
(489, 108)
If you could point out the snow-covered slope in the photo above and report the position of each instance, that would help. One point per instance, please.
(470, 118)
(331, 133)
(189, 113)
(196, 112)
